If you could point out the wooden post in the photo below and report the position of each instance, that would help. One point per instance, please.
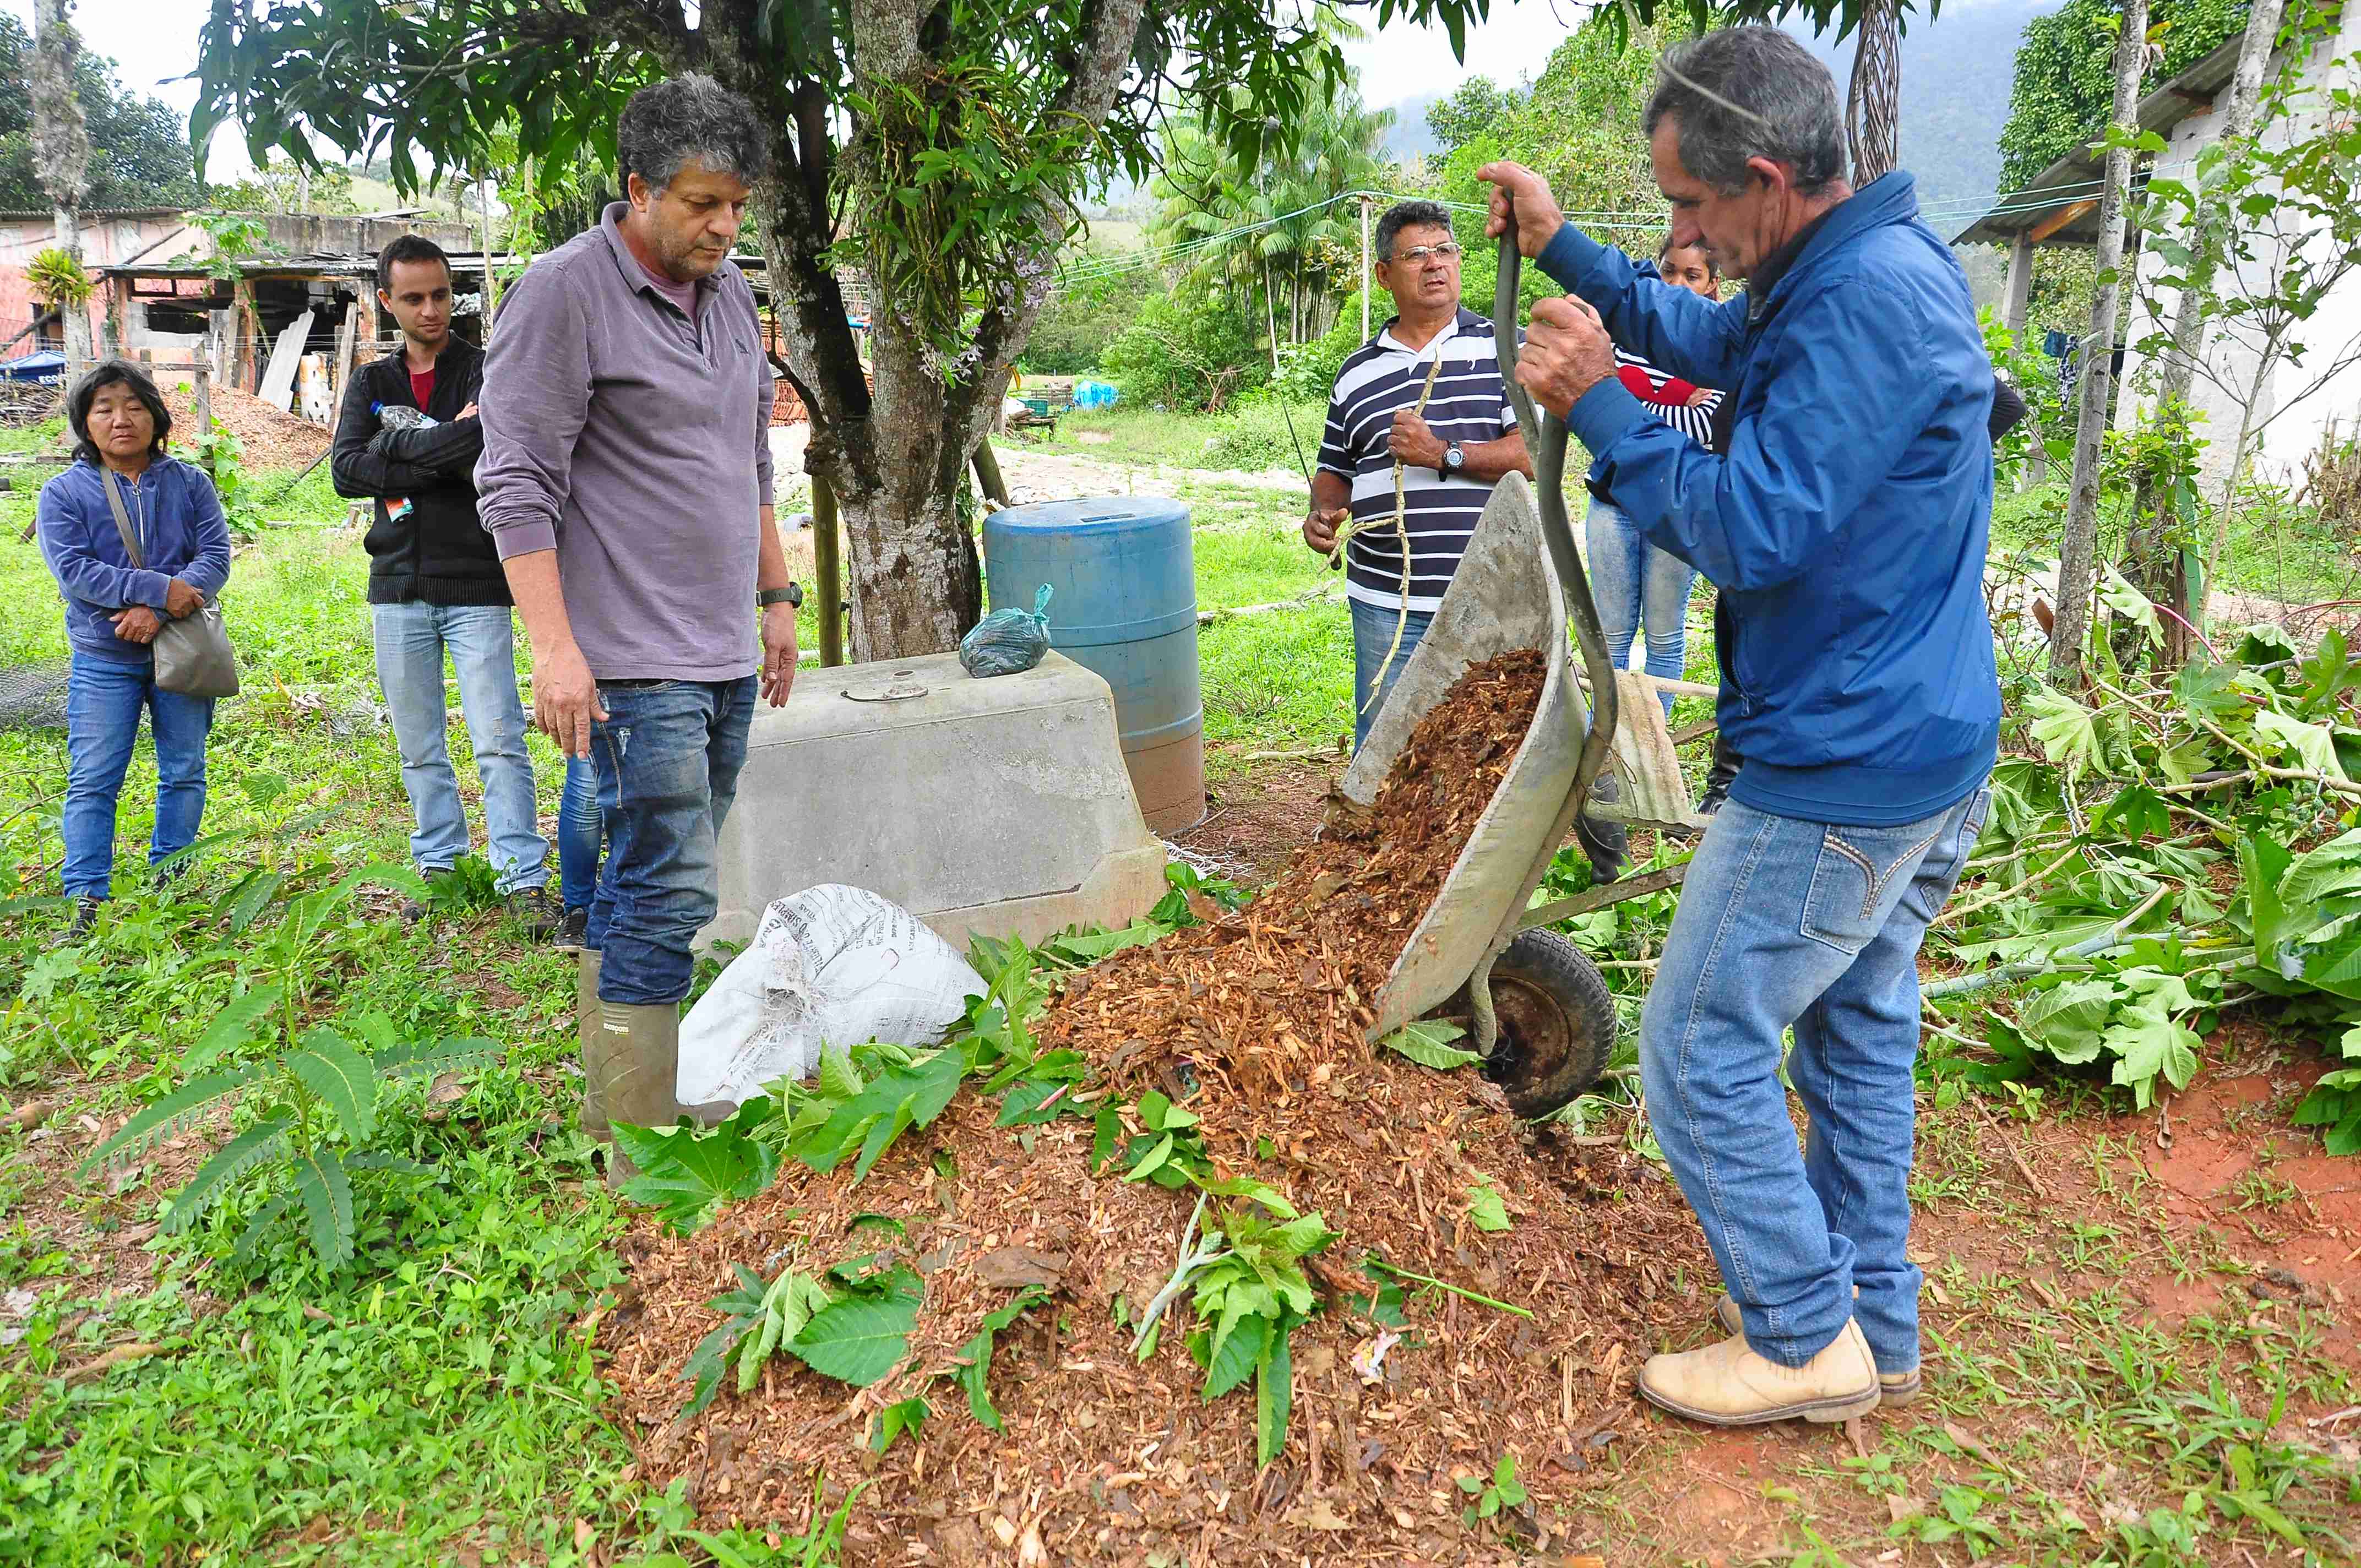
(2018, 299)
(491, 288)
(987, 474)
(201, 393)
(344, 336)
(1366, 283)
(828, 568)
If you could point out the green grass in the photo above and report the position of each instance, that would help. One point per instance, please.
(1254, 437)
(2275, 550)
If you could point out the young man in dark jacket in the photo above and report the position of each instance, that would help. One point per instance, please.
(435, 583)
(1842, 515)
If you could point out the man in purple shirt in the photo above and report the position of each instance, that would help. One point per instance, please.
(626, 479)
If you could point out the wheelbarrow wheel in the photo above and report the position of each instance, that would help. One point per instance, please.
(1557, 1024)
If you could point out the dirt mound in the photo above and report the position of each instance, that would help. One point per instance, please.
(1256, 1022)
(270, 437)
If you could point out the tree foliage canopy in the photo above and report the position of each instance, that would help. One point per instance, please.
(2065, 77)
(138, 150)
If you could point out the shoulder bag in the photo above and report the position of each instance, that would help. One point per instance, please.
(193, 654)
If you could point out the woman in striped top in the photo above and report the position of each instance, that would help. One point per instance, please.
(1632, 582)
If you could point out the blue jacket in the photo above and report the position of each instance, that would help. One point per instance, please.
(184, 535)
(1844, 521)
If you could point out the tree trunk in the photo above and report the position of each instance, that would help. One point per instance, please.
(2077, 550)
(1270, 315)
(896, 456)
(1873, 103)
(2158, 551)
(62, 154)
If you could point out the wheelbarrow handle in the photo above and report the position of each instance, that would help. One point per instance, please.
(1546, 436)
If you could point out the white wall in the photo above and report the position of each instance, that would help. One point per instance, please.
(2336, 325)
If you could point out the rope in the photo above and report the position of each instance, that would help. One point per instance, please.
(1401, 536)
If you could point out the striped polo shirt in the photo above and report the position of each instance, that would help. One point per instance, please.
(1667, 397)
(1468, 405)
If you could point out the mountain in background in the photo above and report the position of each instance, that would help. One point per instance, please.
(1956, 75)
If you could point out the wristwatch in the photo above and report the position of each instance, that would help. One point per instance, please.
(792, 596)
(1452, 458)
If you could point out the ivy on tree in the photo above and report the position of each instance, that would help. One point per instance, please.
(940, 150)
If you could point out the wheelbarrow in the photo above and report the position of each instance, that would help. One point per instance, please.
(1541, 1016)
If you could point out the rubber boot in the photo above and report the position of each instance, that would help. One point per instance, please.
(1720, 776)
(1604, 843)
(586, 1023)
(632, 1062)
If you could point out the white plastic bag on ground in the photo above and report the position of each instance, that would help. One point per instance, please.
(832, 965)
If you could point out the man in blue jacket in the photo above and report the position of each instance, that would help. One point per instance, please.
(1843, 519)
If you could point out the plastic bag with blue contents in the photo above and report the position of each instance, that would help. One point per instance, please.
(1008, 642)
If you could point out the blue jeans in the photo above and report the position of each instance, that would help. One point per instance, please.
(1632, 582)
(104, 700)
(1783, 923)
(581, 836)
(411, 640)
(1373, 634)
(667, 757)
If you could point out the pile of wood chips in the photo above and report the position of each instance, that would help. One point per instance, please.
(1259, 1020)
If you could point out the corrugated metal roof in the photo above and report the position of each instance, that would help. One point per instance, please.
(2075, 180)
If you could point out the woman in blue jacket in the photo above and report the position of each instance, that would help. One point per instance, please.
(114, 611)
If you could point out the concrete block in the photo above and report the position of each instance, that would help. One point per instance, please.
(997, 808)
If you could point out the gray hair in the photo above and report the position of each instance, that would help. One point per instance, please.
(1407, 216)
(668, 126)
(1746, 93)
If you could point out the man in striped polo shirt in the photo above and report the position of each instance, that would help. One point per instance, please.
(1426, 392)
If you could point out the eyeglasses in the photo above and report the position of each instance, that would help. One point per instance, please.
(1417, 255)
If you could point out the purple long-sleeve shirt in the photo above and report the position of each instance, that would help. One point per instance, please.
(635, 441)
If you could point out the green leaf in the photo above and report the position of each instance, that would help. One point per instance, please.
(1486, 1209)
(1429, 1045)
(688, 1177)
(1107, 1132)
(252, 897)
(903, 1416)
(233, 1025)
(839, 1079)
(1230, 1359)
(2129, 603)
(342, 1078)
(2067, 1021)
(2328, 871)
(327, 1195)
(859, 1339)
(1148, 1163)
(1091, 946)
(170, 1114)
(1274, 1395)
(1023, 1105)
(455, 1054)
(872, 1120)
(708, 1361)
(2066, 732)
(974, 1359)
(2311, 745)
(232, 1160)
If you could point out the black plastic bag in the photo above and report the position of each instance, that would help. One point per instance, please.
(1008, 642)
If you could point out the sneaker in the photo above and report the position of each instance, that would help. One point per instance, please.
(1896, 1388)
(535, 910)
(573, 930)
(1728, 1384)
(85, 919)
(417, 909)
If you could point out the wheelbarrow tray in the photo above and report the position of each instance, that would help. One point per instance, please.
(1506, 596)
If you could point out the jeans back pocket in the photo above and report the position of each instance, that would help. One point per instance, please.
(1861, 874)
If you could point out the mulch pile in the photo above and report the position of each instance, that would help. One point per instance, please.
(269, 437)
(1258, 1019)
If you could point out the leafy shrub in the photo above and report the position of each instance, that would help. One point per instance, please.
(1257, 435)
(1191, 350)
(1094, 302)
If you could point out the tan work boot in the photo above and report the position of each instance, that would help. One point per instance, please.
(586, 1024)
(1728, 1384)
(632, 1061)
(1896, 1388)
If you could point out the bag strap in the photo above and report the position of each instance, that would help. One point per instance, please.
(122, 520)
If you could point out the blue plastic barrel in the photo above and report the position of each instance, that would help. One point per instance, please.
(1124, 604)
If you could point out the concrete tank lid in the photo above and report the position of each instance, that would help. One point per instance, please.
(1106, 514)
